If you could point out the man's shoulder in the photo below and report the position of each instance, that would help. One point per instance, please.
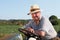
(44, 18)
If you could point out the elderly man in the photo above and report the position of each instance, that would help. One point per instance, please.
(39, 24)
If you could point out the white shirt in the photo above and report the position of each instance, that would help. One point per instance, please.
(44, 25)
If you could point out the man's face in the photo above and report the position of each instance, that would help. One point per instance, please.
(36, 16)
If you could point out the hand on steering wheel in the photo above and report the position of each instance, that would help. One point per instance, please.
(31, 30)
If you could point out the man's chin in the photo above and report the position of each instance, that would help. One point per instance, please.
(36, 19)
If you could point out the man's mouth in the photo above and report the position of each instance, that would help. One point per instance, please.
(36, 17)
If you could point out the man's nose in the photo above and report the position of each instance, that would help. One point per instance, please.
(35, 15)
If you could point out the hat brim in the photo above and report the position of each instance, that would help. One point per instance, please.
(33, 12)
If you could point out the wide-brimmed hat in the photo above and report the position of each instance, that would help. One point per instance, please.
(33, 9)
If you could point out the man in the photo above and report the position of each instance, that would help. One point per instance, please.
(40, 24)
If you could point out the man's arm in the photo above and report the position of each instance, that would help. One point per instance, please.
(40, 33)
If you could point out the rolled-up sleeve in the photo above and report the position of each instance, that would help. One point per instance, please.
(48, 28)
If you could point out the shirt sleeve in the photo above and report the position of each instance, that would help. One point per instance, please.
(45, 24)
(48, 27)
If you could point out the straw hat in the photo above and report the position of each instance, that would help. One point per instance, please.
(33, 9)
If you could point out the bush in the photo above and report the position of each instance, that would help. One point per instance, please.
(54, 20)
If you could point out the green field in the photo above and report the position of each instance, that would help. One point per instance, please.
(57, 27)
(14, 28)
(8, 29)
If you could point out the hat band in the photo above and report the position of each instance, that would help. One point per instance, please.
(34, 10)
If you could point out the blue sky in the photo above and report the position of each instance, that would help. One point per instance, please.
(18, 9)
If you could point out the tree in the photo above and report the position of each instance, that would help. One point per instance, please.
(53, 19)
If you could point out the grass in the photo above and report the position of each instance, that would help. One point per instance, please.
(8, 29)
(57, 27)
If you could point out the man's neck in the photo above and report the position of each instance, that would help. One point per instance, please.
(37, 22)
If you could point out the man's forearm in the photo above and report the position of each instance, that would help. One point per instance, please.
(40, 33)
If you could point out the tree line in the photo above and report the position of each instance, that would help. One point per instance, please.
(53, 19)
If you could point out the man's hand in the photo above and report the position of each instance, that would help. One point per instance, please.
(30, 29)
